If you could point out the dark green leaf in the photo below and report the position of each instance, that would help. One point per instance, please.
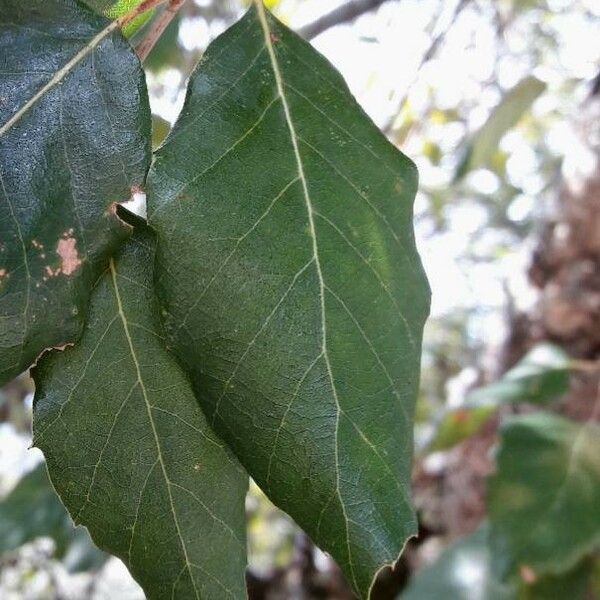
(129, 450)
(544, 501)
(505, 116)
(33, 510)
(74, 139)
(292, 289)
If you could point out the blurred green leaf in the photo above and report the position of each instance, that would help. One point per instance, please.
(576, 584)
(271, 4)
(432, 151)
(462, 572)
(440, 117)
(506, 115)
(544, 501)
(33, 510)
(166, 52)
(160, 129)
(542, 375)
(457, 425)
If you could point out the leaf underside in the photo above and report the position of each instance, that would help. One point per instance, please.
(291, 287)
(544, 500)
(68, 152)
(129, 450)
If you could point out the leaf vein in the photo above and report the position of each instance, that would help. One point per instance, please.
(300, 166)
(152, 423)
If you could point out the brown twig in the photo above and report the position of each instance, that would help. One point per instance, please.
(585, 366)
(342, 14)
(434, 46)
(157, 28)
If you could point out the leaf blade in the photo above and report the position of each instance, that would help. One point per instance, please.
(137, 445)
(505, 115)
(74, 140)
(461, 572)
(268, 324)
(540, 377)
(544, 500)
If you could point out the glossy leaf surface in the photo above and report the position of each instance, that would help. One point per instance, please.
(74, 139)
(129, 450)
(291, 287)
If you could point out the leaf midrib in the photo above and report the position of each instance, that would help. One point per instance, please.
(315, 247)
(136, 363)
(60, 75)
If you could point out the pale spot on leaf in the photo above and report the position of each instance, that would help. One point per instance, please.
(66, 249)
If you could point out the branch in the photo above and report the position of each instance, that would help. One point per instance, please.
(434, 46)
(157, 28)
(343, 14)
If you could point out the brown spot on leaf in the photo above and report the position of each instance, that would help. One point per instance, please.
(461, 416)
(67, 250)
(528, 575)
